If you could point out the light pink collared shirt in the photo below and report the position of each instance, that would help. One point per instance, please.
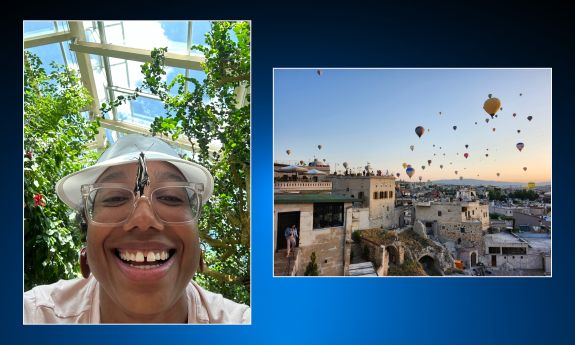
(78, 301)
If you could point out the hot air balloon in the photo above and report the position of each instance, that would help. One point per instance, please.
(423, 167)
(491, 105)
(429, 162)
(433, 145)
(319, 72)
(530, 185)
(397, 175)
(518, 131)
(524, 168)
(466, 155)
(434, 154)
(324, 160)
(440, 113)
(514, 114)
(450, 162)
(419, 130)
(454, 127)
(487, 155)
(520, 94)
(345, 165)
(319, 147)
(529, 117)
(409, 171)
(404, 165)
(461, 177)
(455, 172)
(420, 178)
(475, 122)
(498, 174)
(441, 166)
(412, 147)
(486, 120)
(288, 152)
(440, 147)
(301, 162)
(444, 154)
(494, 129)
(520, 146)
(466, 146)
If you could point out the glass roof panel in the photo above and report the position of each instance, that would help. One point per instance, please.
(36, 28)
(48, 53)
(199, 30)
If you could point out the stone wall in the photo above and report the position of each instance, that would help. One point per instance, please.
(329, 247)
(453, 212)
(466, 234)
(517, 261)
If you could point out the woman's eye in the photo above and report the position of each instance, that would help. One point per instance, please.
(170, 199)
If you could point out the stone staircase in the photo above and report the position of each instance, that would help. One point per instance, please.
(362, 269)
(282, 265)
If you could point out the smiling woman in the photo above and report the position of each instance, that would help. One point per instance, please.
(139, 205)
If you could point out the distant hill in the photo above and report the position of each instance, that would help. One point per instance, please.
(473, 182)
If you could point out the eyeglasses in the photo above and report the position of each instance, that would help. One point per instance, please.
(114, 203)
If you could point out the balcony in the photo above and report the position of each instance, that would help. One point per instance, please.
(301, 186)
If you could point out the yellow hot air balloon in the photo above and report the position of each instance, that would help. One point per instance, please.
(530, 185)
(492, 105)
(404, 165)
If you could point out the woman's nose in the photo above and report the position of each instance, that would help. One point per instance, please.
(143, 217)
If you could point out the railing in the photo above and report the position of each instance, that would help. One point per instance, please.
(300, 185)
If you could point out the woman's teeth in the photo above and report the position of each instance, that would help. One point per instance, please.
(143, 256)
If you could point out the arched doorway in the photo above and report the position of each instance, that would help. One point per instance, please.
(473, 259)
(393, 255)
(428, 264)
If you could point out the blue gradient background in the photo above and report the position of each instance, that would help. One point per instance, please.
(343, 310)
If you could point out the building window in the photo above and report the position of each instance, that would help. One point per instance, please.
(462, 230)
(494, 250)
(347, 189)
(381, 195)
(391, 194)
(439, 213)
(385, 194)
(459, 241)
(327, 215)
(375, 195)
(360, 195)
(443, 227)
(514, 250)
(388, 208)
(473, 212)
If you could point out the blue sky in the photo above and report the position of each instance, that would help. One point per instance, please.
(370, 115)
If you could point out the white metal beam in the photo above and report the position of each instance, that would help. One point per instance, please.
(136, 54)
(87, 74)
(124, 127)
(41, 40)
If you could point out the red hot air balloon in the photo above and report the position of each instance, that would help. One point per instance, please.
(419, 130)
(466, 155)
(520, 146)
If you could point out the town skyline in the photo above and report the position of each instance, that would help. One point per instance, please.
(370, 115)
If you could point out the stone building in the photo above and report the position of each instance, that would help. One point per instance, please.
(518, 252)
(463, 222)
(377, 193)
(325, 222)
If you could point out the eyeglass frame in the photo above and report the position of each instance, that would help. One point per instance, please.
(86, 189)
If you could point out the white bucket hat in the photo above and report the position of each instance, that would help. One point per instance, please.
(127, 150)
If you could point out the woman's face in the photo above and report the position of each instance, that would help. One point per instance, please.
(143, 265)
